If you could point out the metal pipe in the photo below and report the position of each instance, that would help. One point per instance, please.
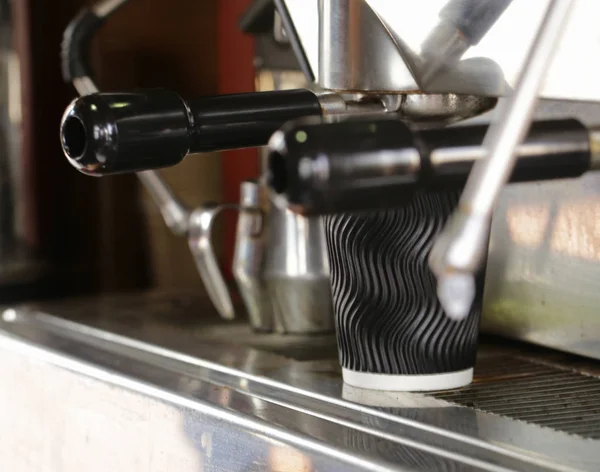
(460, 250)
(175, 214)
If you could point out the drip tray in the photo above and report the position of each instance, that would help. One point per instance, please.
(535, 392)
(162, 373)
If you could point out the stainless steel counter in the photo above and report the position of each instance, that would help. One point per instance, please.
(138, 383)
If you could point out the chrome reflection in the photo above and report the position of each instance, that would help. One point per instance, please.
(527, 224)
(543, 265)
(577, 229)
(417, 48)
(287, 459)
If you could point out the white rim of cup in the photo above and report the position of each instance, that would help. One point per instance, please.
(408, 383)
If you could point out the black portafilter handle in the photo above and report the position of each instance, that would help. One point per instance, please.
(110, 133)
(361, 165)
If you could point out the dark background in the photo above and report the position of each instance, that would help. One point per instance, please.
(104, 235)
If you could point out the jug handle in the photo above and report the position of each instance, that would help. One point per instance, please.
(199, 240)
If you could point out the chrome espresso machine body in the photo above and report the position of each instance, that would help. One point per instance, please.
(375, 246)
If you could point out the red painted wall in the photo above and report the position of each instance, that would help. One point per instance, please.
(235, 74)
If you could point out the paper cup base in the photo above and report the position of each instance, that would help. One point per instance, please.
(408, 383)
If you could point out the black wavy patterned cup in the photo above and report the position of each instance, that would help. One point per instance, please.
(391, 329)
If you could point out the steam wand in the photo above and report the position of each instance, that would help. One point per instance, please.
(459, 251)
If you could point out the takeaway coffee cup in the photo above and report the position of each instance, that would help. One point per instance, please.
(391, 330)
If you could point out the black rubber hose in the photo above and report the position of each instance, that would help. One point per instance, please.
(76, 45)
(78, 36)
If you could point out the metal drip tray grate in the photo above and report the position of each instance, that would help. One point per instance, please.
(534, 392)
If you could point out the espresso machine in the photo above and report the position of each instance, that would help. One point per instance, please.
(417, 259)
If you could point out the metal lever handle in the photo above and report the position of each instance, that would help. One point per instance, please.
(199, 240)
